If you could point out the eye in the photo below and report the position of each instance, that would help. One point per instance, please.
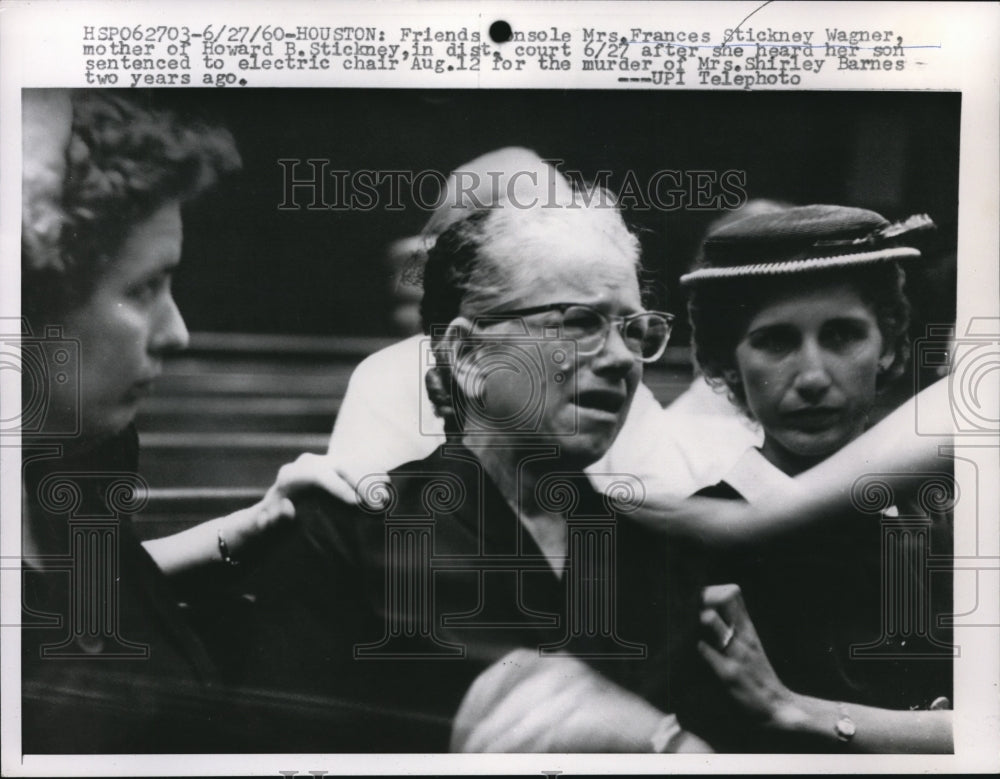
(145, 292)
(774, 340)
(637, 329)
(840, 334)
(578, 322)
(644, 332)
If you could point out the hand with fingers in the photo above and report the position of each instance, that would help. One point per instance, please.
(733, 651)
(327, 473)
(308, 471)
(316, 471)
(235, 537)
(782, 720)
(526, 702)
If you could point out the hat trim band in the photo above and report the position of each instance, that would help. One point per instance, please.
(795, 266)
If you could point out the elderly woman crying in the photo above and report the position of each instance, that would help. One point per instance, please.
(497, 540)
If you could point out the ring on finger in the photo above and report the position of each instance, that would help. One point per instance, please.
(727, 637)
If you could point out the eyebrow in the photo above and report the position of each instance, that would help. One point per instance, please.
(771, 326)
(165, 270)
(851, 318)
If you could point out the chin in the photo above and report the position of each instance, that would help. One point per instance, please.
(583, 450)
(109, 423)
(818, 447)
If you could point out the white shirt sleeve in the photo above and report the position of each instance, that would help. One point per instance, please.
(386, 418)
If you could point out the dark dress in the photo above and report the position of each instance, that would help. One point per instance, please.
(853, 611)
(109, 661)
(396, 614)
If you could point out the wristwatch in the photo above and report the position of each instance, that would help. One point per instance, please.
(844, 727)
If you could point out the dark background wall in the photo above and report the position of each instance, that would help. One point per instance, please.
(252, 267)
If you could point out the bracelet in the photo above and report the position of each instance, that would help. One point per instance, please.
(227, 558)
(668, 729)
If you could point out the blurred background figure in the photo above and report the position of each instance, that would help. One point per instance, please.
(406, 289)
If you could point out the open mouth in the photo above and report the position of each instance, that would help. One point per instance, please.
(601, 400)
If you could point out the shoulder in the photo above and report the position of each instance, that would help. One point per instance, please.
(449, 478)
(391, 380)
(396, 359)
(328, 527)
(385, 417)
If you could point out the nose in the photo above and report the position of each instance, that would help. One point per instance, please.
(615, 357)
(170, 333)
(813, 379)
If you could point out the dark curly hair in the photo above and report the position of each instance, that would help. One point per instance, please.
(123, 162)
(720, 312)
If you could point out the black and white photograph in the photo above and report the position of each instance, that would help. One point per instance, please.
(390, 421)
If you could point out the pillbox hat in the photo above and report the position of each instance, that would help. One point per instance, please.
(804, 238)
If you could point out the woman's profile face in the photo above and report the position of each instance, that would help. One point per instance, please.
(523, 379)
(128, 323)
(808, 364)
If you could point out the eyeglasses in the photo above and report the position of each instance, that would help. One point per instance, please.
(645, 334)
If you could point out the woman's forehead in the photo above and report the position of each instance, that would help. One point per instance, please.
(152, 244)
(814, 302)
(563, 233)
(561, 277)
(575, 254)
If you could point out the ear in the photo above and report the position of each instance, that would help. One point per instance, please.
(438, 383)
(440, 379)
(885, 362)
(732, 376)
(448, 349)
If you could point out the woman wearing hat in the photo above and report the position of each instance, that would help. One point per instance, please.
(800, 315)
